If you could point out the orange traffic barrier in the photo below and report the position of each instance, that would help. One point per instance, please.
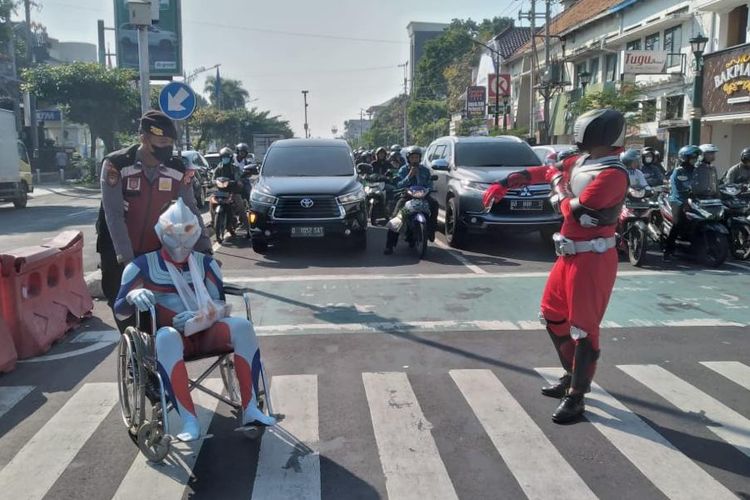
(42, 294)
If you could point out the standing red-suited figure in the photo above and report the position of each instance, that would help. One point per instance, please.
(589, 190)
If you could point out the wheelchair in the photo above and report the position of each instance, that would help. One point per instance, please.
(141, 385)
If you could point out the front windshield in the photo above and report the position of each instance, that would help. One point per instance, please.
(495, 154)
(308, 161)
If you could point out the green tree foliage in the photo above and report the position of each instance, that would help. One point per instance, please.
(228, 127)
(388, 125)
(104, 99)
(232, 94)
(623, 99)
(428, 119)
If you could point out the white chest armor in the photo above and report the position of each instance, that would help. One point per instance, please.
(586, 170)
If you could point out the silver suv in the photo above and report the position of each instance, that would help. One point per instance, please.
(466, 166)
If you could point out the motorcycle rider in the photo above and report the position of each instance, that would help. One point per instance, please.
(589, 191)
(413, 174)
(242, 160)
(739, 173)
(652, 171)
(706, 168)
(632, 161)
(228, 169)
(381, 165)
(397, 149)
(681, 187)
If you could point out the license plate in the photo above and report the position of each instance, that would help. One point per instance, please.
(527, 204)
(307, 232)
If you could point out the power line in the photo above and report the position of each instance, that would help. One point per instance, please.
(323, 72)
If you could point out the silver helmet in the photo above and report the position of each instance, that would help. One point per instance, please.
(178, 230)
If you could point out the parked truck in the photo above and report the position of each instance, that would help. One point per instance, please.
(261, 143)
(16, 181)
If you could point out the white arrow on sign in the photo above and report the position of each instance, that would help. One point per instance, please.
(174, 102)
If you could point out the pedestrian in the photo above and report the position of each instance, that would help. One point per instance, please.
(139, 183)
(589, 191)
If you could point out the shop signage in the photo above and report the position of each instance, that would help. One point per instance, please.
(476, 101)
(644, 62)
(726, 81)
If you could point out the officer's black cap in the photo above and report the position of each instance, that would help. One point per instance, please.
(158, 124)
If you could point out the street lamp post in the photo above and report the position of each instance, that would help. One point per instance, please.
(698, 45)
(505, 111)
(307, 128)
(496, 63)
(584, 77)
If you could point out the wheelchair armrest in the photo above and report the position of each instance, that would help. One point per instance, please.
(235, 290)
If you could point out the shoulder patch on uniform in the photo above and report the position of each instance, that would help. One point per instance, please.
(111, 175)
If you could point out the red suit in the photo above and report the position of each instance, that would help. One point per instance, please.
(590, 194)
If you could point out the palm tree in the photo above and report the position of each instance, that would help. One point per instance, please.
(232, 94)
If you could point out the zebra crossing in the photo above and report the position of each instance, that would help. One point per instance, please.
(411, 465)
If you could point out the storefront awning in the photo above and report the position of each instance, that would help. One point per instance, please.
(738, 117)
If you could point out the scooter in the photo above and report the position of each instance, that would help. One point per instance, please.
(417, 215)
(704, 235)
(632, 227)
(221, 201)
(736, 199)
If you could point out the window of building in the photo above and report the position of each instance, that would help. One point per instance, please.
(580, 68)
(633, 45)
(674, 107)
(610, 68)
(737, 26)
(648, 109)
(652, 42)
(672, 44)
(594, 70)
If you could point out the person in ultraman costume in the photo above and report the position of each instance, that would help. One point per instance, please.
(160, 279)
(589, 191)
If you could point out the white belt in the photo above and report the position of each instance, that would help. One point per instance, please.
(565, 246)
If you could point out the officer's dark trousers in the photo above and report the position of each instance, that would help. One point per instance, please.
(111, 279)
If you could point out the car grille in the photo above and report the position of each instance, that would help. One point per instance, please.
(290, 207)
(537, 192)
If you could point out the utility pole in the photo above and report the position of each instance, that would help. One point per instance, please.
(545, 135)
(532, 16)
(361, 118)
(307, 127)
(102, 48)
(406, 101)
(144, 69)
(32, 98)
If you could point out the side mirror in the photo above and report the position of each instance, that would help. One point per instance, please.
(364, 169)
(441, 165)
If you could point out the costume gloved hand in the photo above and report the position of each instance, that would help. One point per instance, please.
(142, 299)
(180, 319)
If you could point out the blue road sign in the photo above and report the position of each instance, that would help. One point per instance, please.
(177, 101)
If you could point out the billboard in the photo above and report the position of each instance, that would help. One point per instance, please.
(644, 62)
(164, 39)
(476, 101)
(726, 81)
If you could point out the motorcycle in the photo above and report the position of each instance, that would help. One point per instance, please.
(632, 227)
(376, 197)
(221, 201)
(736, 200)
(703, 235)
(417, 214)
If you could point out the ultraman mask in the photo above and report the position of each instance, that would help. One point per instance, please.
(178, 230)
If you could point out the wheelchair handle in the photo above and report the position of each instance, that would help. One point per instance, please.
(152, 314)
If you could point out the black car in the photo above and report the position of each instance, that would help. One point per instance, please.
(308, 188)
(466, 166)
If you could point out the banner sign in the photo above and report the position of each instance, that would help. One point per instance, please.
(726, 81)
(476, 102)
(48, 115)
(164, 39)
(504, 86)
(644, 62)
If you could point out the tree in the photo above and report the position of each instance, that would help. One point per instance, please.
(228, 127)
(623, 99)
(428, 120)
(388, 125)
(104, 99)
(232, 94)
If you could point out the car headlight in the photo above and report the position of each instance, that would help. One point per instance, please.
(264, 199)
(353, 197)
(476, 186)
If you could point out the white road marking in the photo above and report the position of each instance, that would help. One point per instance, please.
(168, 481)
(705, 322)
(733, 370)
(459, 256)
(737, 265)
(719, 419)
(111, 336)
(100, 339)
(408, 454)
(216, 247)
(289, 461)
(12, 395)
(673, 473)
(520, 442)
(34, 469)
(82, 212)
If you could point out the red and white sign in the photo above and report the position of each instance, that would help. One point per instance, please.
(504, 86)
(644, 62)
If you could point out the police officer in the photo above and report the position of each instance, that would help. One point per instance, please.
(740, 173)
(138, 183)
(681, 183)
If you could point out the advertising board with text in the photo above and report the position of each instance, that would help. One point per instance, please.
(476, 101)
(164, 39)
(644, 62)
(726, 81)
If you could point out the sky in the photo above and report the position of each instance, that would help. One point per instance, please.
(346, 53)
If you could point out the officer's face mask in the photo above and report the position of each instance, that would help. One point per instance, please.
(161, 152)
(178, 230)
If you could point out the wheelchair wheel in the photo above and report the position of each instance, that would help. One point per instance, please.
(130, 378)
(152, 442)
(229, 377)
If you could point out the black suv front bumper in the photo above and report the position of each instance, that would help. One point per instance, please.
(266, 226)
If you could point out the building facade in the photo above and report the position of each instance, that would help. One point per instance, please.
(419, 35)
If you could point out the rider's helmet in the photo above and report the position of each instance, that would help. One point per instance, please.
(599, 127)
(688, 153)
(745, 155)
(395, 156)
(381, 150)
(396, 148)
(242, 148)
(225, 152)
(648, 155)
(630, 157)
(708, 148)
(413, 150)
(178, 230)
(567, 153)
